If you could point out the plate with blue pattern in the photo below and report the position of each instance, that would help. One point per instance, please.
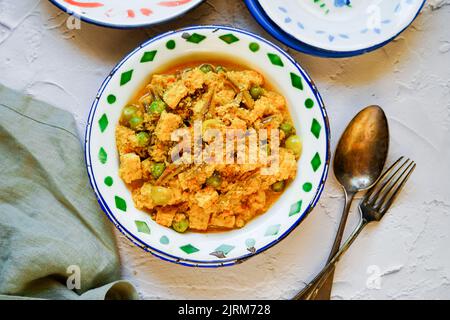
(338, 27)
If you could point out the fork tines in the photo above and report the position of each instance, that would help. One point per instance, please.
(389, 185)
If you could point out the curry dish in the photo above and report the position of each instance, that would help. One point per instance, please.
(204, 196)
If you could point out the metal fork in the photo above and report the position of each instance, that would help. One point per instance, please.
(373, 207)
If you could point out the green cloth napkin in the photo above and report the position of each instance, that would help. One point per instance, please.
(51, 225)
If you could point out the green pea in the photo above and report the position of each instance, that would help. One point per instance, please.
(278, 186)
(129, 112)
(214, 181)
(143, 139)
(220, 69)
(157, 106)
(160, 195)
(295, 144)
(158, 169)
(135, 122)
(286, 128)
(180, 226)
(205, 68)
(256, 92)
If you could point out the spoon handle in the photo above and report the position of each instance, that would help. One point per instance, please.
(349, 196)
(311, 289)
(325, 291)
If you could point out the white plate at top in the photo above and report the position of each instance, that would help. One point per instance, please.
(343, 25)
(126, 13)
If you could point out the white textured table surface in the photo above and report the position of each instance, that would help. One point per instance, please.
(405, 256)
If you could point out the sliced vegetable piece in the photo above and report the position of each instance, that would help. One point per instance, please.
(146, 100)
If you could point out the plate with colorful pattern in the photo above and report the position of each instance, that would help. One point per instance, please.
(218, 248)
(126, 14)
(344, 27)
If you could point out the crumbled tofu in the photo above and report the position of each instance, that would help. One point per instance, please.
(168, 123)
(223, 96)
(173, 95)
(160, 83)
(194, 79)
(126, 140)
(130, 167)
(265, 106)
(223, 220)
(158, 151)
(198, 218)
(277, 101)
(206, 198)
(245, 79)
(146, 166)
(193, 179)
(143, 197)
(222, 100)
(165, 215)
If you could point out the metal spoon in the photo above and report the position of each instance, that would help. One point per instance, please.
(358, 163)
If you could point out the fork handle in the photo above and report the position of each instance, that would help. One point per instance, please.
(325, 290)
(319, 280)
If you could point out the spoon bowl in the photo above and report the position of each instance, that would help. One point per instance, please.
(362, 150)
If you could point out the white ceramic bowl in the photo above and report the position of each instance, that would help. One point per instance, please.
(208, 249)
(124, 14)
(342, 27)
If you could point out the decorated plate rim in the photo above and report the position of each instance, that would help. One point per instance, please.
(278, 33)
(192, 262)
(324, 45)
(124, 26)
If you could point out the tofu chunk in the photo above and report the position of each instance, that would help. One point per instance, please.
(173, 95)
(130, 167)
(126, 140)
(206, 198)
(168, 122)
(223, 220)
(245, 79)
(165, 215)
(198, 218)
(194, 80)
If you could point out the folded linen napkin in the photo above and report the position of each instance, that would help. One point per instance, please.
(52, 230)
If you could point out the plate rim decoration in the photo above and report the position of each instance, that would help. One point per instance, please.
(86, 18)
(320, 166)
(263, 18)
